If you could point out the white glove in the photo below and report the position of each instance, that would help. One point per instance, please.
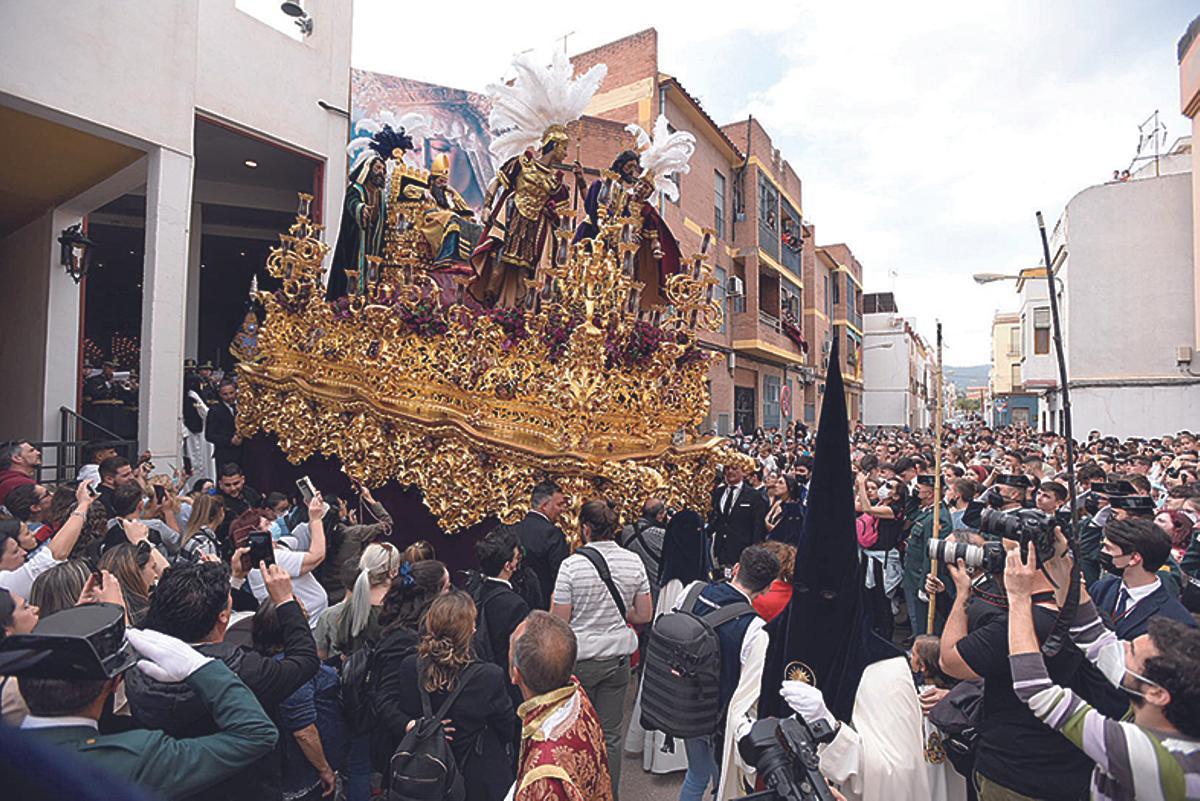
(165, 658)
(807, 701)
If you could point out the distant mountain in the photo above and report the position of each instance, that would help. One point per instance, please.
(963, 377)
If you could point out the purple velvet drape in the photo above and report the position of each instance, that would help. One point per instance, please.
(268, 470)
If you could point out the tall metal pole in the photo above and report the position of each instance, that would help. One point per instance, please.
(937, 476)
(1067, 613)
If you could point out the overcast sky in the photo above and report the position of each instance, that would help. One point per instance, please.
(926, 135)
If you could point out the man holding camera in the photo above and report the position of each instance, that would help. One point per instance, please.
(1133, 551)
(1017, 756)
(1157, 755)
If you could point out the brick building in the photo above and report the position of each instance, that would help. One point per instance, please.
(740, 186)
(835, 312)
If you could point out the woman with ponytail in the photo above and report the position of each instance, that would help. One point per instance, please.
(378, 566)
(481, 714)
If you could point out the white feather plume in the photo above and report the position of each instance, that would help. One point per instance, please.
(539, 96)
(663, 156)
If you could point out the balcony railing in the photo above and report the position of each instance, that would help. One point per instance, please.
(768, 321)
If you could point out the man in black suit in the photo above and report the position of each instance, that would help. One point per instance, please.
(738, 517)
(543, 542)
(1134, 549)
(500, 609)
(221, 427)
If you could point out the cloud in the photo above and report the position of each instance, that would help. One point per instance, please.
(925, 135)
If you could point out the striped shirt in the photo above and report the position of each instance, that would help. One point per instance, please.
(1131, 762)
(599, 629)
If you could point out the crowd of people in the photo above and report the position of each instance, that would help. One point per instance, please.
(278, 647)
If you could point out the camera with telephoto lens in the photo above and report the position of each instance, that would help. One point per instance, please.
(784, 753)
(989, 556)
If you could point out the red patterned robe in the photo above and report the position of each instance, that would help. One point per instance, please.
(562, 749)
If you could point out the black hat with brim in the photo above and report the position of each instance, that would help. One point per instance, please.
(927, 480)
(80, 643)
(1137, 504)
(1014, 480)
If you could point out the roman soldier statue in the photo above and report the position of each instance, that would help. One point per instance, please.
(529, 195)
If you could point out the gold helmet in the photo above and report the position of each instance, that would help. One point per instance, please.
(440, 166)
(555, 133)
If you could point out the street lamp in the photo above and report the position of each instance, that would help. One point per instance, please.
(991, 278)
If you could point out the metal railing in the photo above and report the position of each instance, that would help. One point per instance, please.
(75, 432)
(770, 321)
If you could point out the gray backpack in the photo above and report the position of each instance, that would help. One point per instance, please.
(681, 678)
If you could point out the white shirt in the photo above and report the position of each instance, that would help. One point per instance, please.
(89, 472)
(599, 628)
(1136, 594)
(306, 588)
(727, 501)
(20, 581)
(38, 722)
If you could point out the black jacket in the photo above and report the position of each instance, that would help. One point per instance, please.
(178, 711)
(504, 610)
(219, 429)
(545, 549)
(744, 525)
(483, 720)
(1136, 619)
(394, 647)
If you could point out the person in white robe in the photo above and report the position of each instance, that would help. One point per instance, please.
(881, 755)
(198, 450)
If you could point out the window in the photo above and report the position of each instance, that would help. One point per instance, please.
(1014, 341)
(1016, 375)
(771, 401)
(828, 296)
(768, 204)
(790, 302)
(1041, 331)
(719, 204)
(837, 293)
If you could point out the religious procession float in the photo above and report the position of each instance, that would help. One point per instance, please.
(473, 354)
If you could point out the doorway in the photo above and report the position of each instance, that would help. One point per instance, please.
(744, 402)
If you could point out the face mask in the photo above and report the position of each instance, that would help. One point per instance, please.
(1111, 662)
(1106, 562)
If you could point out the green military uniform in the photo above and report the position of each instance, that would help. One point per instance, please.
(178, 768)
(916, 556)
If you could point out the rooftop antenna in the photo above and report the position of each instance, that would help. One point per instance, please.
(568, 35)
(1151, 132)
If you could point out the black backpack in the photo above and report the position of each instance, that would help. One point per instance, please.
(423, 767)
(681, 682)
(358, 685)
(958, 717)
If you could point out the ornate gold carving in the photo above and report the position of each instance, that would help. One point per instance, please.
(474, 408)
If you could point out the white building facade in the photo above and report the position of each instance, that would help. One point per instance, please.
(1122, 255)
(897, 370)
(173, 131)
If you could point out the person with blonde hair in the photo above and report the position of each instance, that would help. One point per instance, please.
(200, 536)
(359, 621)
(482, 712)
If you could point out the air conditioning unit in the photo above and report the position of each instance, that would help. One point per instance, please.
(736, 287)
(1183, 354)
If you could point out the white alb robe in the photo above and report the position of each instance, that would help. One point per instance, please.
(881, 757)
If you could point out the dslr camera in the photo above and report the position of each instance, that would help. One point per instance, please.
(1023, 525)
(784, 753)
